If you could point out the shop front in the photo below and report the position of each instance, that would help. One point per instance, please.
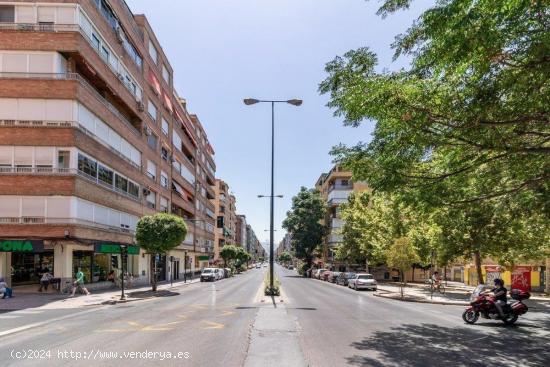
(101, 260)
(26, 260)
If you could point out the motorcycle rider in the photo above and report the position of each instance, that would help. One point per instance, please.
(500, 296)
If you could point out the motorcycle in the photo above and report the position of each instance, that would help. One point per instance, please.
(484, 305)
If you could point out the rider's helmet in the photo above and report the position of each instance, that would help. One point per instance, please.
(499, 282)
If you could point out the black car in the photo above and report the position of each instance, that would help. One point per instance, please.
(343, 278)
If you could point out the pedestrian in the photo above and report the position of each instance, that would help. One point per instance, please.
(4, 289)
(45, 280)
(79, 283)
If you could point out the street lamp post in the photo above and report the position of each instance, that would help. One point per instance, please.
(294, 102)
(123, 258)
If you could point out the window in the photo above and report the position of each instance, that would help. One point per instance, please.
(95, 41)
(165, 74)
(345, 182)
(151, 170)
(105, 175)
(163, 204)
(164, 127)
(7, 14)
(133, 189)
(153, 52)
(152, 141)
(87, 166)
(177, 166)
(152, 109)
(63, 159)
(104, 53)
(164, 153)
(163, 179)
(151, 199)
(121, 183)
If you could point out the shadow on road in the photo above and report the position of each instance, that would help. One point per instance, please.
(148, 294)
(435, 345)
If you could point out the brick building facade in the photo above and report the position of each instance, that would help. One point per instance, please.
(92, 137)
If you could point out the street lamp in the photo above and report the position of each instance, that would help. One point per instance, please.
(294, 102)
(124, 258)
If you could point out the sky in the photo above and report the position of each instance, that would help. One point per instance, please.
(223, 51)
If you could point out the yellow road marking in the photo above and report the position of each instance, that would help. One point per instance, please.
(213, 325)
(227, 313)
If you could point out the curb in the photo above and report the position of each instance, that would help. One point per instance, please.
(450, 303)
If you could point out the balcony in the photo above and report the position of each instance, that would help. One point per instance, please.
(335, 238)
(336, 223)
(340, 187)
(63, 221)
(337, 197)
(84, 83)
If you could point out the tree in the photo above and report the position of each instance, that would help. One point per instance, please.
(401, 255)
(472, 105)
(158, 234)
(228, 253)
(242, 257)
(303, 222)
(285, 257)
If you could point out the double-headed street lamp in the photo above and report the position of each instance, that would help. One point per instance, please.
(294, 102)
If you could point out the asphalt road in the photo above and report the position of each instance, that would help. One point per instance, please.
(209, 321)
(213, 323)
(340, 326)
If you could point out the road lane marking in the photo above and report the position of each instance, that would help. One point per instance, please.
(213, 325)
(10, 316)
(227, 313)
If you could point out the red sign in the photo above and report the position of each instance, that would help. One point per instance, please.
(521, 278)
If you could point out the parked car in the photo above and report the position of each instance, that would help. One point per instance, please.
(344, 278)
(209, 275)
(258, 266)
(290, 267)
(332, 277)
(228, 272)
(363, 281)
(317, 273)
(325, 275)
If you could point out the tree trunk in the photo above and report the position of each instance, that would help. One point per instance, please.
(477, 259)
(367, 265)
(547, 276)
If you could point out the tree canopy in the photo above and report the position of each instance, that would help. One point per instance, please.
(303, 222)
(473, 104)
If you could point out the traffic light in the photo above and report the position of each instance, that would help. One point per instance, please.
(114, 262)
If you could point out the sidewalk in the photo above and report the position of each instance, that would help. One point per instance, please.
(455, 294)
(55, 300)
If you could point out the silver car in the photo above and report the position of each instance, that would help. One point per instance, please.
(363, 281)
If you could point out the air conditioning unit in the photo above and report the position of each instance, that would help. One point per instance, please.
(146, 191)
(120, 77)
(140, 106)
(147, 130)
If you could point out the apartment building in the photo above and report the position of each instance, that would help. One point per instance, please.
(240, 231)
(92, 137)
(226, 217)
(253, 246)
(335, 188)
(285, 245)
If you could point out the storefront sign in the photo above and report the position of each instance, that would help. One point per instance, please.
(21, 246)
(203, 258)
(114, 248)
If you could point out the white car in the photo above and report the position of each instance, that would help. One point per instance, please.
(220, 273)
(209, 275)
(363, 281)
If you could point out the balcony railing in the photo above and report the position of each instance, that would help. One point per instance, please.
(45, 220)
(340, 187)
(83, 82)
(33, 27)
(37, 170)
(37, 123)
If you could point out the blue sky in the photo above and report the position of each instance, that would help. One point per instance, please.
(224, 51)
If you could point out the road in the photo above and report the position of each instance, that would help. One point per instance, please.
(210, 321)
(340, 326)
(335, 326)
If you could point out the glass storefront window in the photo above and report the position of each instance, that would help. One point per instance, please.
(83, 260)
(27, 268)
(101, 267)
